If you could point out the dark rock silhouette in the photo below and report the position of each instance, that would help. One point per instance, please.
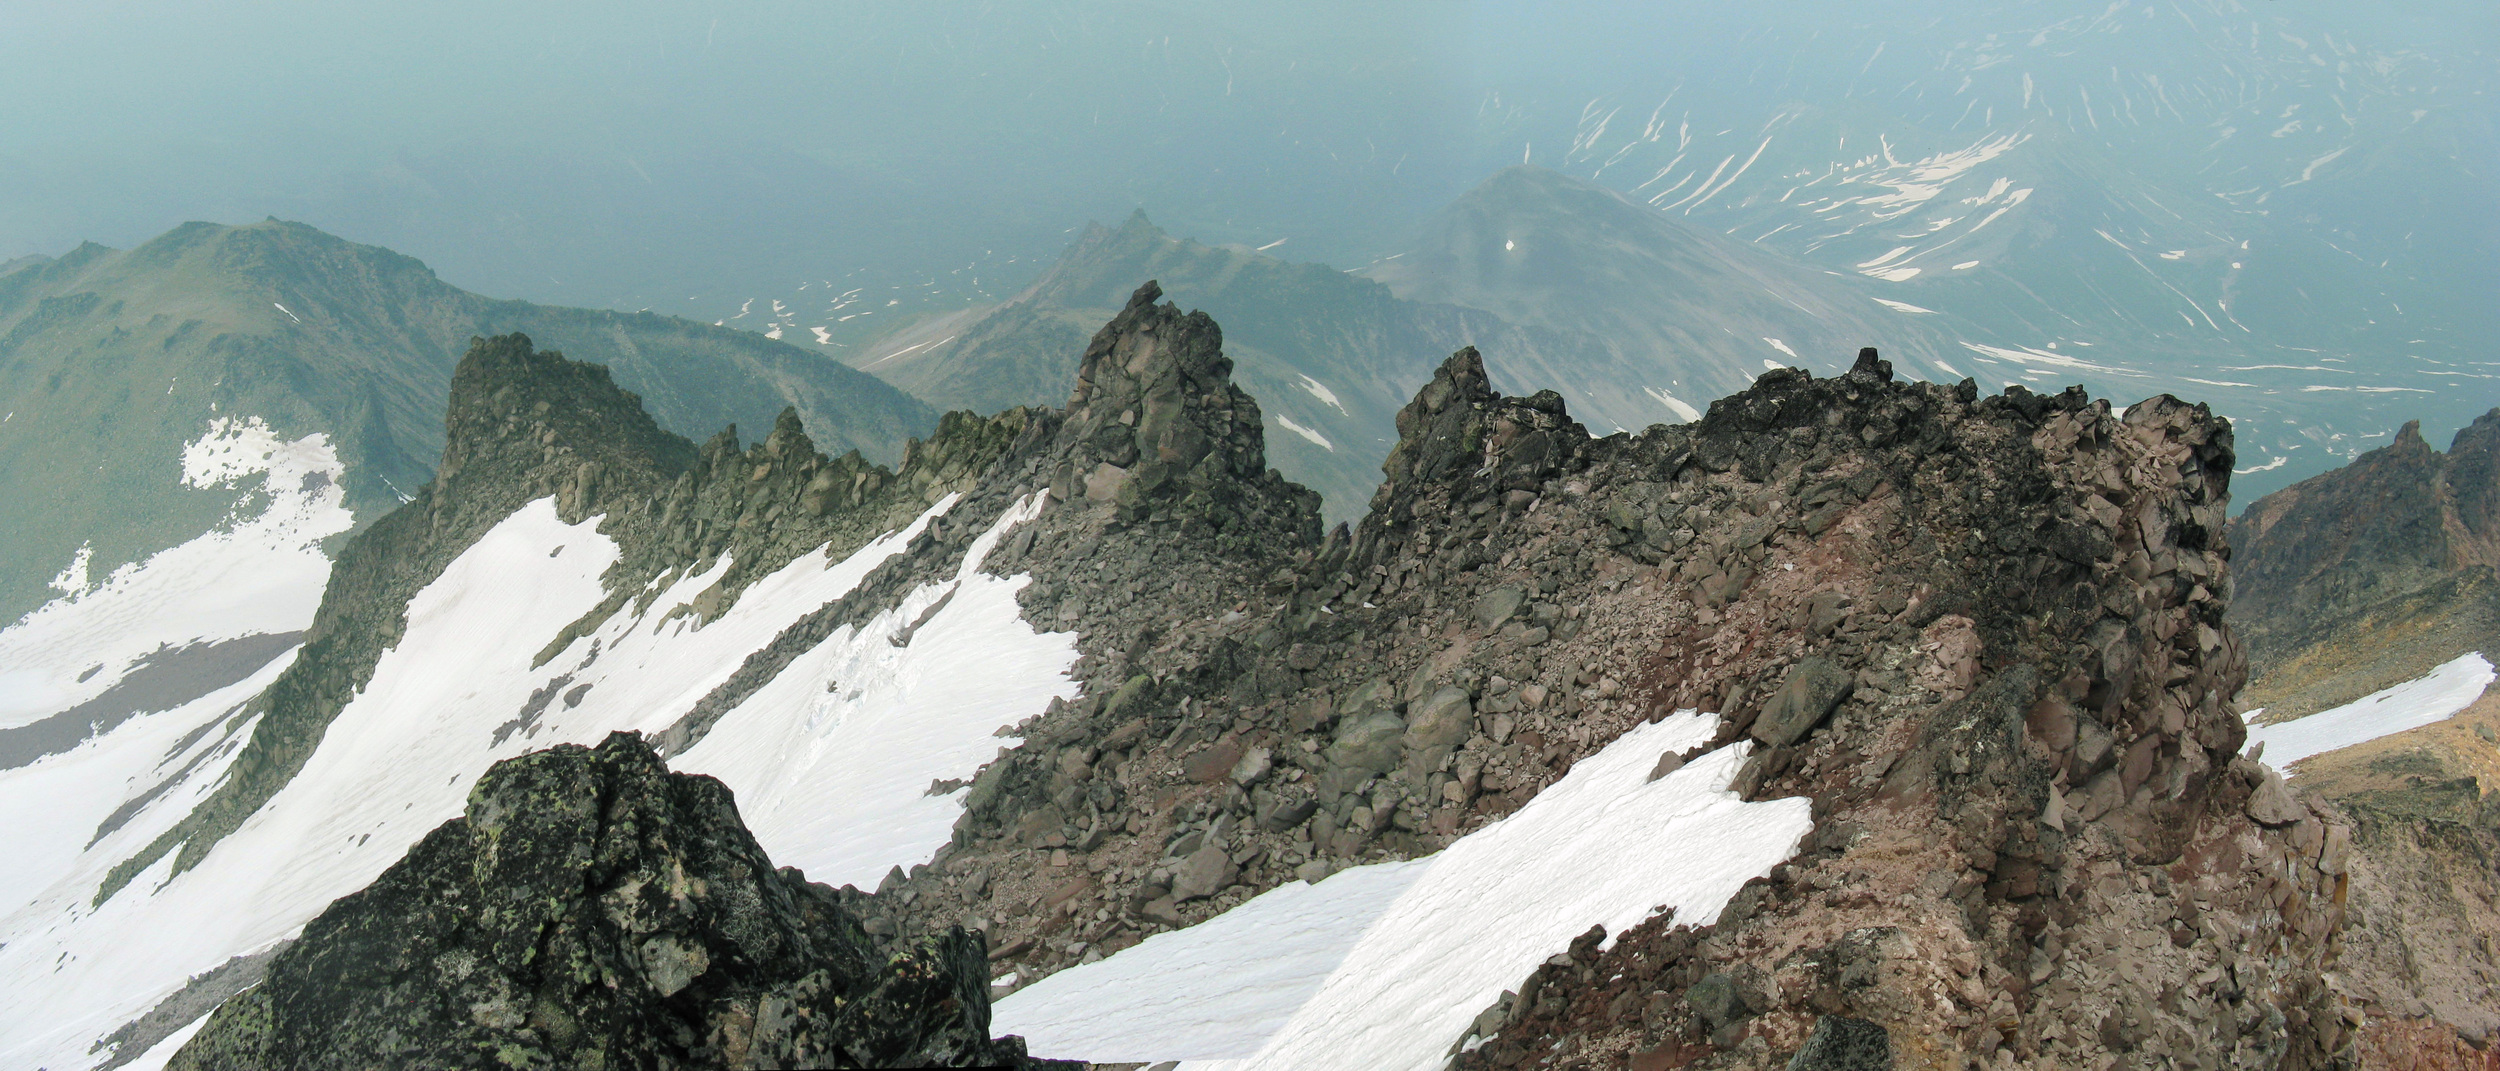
(592, 909)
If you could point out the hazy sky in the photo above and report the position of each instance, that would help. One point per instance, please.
(747, 118)
(621, 152)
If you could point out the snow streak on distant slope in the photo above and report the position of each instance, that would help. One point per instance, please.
(1601, 846)
(2431, 697)
(1683, 410)
(1312, 434)
(458, 693)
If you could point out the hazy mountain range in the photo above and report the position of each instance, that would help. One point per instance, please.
(112, 360)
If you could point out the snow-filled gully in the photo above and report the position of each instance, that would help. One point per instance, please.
(1383, 966)
(831, 759)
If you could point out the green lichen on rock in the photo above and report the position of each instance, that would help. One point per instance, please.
(593, 909)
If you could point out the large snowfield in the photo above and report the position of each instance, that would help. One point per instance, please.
(832, 759)
(255, 574)
(1384, 966)
(2432, 697)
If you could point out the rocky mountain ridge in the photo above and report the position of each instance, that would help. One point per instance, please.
(2025, 684)
(2405, 536)
(1635, 319)
(1983, 636)
(525, 424)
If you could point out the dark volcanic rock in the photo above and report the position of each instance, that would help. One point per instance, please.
(1157, 427)
(1843, 1044)
(1812, 689)
(592, 909)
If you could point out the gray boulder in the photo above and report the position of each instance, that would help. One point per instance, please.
(1499, 605)
(1445, 719)
(1371, 744)
(1812, 690)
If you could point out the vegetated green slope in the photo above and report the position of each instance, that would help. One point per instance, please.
(110, 360)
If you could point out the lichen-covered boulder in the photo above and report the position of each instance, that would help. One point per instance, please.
(594, 910)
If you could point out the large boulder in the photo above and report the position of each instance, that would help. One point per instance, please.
(593, 909)
(1812, 689)
(1371, 744)
(1444, 719)
(1840, 1043)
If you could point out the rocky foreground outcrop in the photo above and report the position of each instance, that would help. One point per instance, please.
(593, 910)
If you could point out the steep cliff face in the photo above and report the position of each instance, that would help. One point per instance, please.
(2405, 537)
(592, 909)
(1157, 428)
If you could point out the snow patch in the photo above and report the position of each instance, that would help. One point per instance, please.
(1780, 346)
(73, 577)
(258, 574)
(2434, 696)
(1683, 410)
(831, 780)
(833, 759)
(377, 782)
(1194, 993)
(1320, 391)
(1602, 846)
(1287, 423)
(1903, 306)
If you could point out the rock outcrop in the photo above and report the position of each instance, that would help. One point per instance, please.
(592, 909)
(1984, 635)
